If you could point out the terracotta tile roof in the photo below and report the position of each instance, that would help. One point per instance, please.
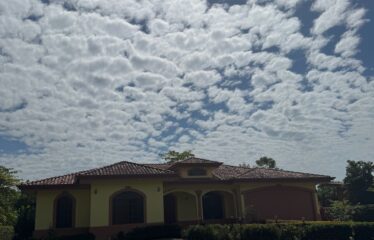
(268, 173)
(222, 172)
(225, 172)
(127, 168)
(195, 160)
(118, 169)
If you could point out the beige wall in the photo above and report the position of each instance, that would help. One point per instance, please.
(45, 207)
(186, 206)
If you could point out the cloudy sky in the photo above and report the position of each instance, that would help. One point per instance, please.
(85, 83)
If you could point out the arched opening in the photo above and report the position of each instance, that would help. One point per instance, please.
(170, 208)
(180, 206)
(64, 211)
(127, 207)
(213, 206)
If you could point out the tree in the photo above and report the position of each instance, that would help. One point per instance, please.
(266, 162)
(245, 165)
(359, 177)
(8, 196)
(174, 156)
(24, 226)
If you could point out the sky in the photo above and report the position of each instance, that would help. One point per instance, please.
(87, 83)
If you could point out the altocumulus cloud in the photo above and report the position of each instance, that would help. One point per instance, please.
(90, 82)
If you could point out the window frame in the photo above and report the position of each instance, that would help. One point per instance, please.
(111, 201)
(73, 209)
(190, 170)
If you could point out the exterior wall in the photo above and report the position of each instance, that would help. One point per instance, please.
(45, 207)
(310, 186)
(102, 190)
(183, 172)
(186, 206)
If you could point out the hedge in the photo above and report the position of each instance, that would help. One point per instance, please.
(283, 231)
(6, 232)
(151, 232)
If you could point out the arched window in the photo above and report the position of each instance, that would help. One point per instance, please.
(197, 172)
(127, 207)
(64, 211)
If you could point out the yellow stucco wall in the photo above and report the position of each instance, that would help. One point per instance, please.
(101, 190)
(186, 206)
(92, 205)
(45, 204)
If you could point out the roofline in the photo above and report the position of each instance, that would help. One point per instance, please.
(53, 186)
(130, 176)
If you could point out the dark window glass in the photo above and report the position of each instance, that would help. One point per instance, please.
(213, 206)
(196, 172)
(64, 212)
(127, 207)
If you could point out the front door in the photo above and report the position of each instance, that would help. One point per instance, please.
(170, 209)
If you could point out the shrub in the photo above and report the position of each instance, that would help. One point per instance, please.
(363, 231)
(327, 231)
(363, 213)
(291, 231)
(260, 232)
(6, 232)
(208, 232)
(151, 232)
(86, 236)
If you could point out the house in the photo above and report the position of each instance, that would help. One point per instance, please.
(124, 195)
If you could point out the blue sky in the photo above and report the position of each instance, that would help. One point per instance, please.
(85, 83)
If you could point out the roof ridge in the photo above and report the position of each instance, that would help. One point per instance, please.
(282, 170)
(55, 177)
(132, 163)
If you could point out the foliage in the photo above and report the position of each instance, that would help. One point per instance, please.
(266, 162)
(359, 177)
(339, 211)
(246, 165)
(6, 232)
(363, 231)
(84, 236)
(174, 156)
(326, 195)
(327, 232)
(261, 232)
(363, 213)
(151, 232)
(8, 196)
(210, 232)
(24, 226)
(283, 231)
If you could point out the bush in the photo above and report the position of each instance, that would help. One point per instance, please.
(327, 232)
(260, 232)
(363, 231)
(291, 231)
(87, 236)
(363, 213)
(151, 232)
(208, 232)
(6, 232)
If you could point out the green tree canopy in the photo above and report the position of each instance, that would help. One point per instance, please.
(359, 177)
(8, 196)
(266, 162)
(174, 156)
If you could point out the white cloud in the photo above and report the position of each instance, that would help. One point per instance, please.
(91, 82)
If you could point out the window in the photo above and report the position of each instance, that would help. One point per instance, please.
(127, 207)
(196, 172)
(64, 211)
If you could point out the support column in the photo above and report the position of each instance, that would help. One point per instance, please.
(199, 205)
(238, 203)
